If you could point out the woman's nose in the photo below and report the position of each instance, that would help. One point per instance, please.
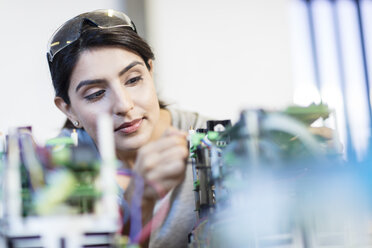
(122, 100)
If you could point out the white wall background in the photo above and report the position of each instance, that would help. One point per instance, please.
(218, 56)
(212, 56)
(26, 91)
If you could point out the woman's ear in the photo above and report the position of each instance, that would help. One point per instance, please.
(151, 67)
(66, 109)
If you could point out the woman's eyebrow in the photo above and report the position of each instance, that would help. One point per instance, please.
(102, 81)
(89, 82)
(128, 67)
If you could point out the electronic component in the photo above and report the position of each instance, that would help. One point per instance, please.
(60, 195)
(268, 182)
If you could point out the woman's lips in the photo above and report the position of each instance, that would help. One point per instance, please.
(130, 127)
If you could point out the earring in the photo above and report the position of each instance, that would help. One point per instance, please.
(76, 123)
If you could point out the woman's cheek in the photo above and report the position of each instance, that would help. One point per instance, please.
(151, 96)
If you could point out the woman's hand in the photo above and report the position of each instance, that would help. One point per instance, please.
(162, 166)
(162, 163)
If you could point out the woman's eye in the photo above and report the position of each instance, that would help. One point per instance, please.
(95, 95)
(134, 80)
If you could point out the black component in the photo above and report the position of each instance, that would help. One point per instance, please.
(98, 246)
(25, 237)
(101, 239)
(202, 130)
(200, 157)
(98, 234)
(212, 123)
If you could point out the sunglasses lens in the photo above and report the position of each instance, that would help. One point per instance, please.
(65, 35)
(108, 18)
(70, 31)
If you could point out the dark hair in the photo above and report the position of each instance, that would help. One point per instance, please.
(92, 37)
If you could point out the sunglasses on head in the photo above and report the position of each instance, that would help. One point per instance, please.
(70, 31)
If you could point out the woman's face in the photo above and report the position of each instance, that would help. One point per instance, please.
(115, 81)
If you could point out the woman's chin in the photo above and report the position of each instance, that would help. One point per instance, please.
(131, 143)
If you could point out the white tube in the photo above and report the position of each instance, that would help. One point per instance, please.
(108, 166)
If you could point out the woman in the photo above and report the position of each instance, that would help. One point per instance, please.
(100, 65)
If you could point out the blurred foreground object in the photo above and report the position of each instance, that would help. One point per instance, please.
(268, 182)
(60, 195)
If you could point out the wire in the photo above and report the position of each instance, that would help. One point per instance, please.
(137, 234)
(155, 222)
(206, 142)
